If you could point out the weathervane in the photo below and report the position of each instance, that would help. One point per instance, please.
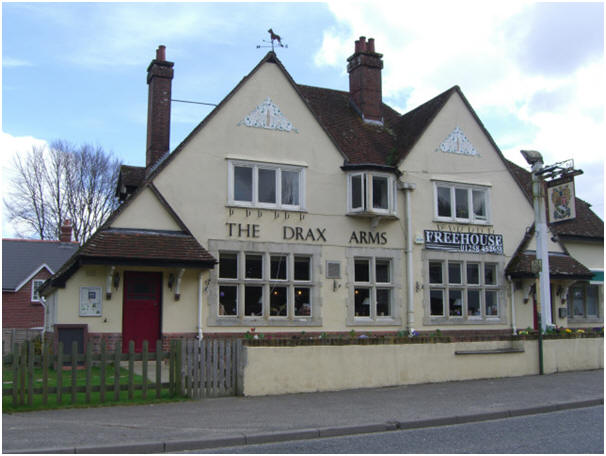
(273, 38)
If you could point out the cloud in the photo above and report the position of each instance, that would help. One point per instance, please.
(534, 71)
(10, 62)
(558, 38)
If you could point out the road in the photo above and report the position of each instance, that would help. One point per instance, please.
(568, 431)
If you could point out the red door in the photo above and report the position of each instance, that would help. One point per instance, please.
(141, 309)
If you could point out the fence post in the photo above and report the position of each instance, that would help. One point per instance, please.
(171, 369)
(158, 369)
(74, 369)
(144, 368)
(102, 368)
(59, 372)
(179, 368)
(88, 364)
(117, 356)
(45, 362)
(30, 373)
(131, 368)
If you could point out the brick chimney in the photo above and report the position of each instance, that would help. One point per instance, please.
(66, 232)
(364, 68)
(159, 80)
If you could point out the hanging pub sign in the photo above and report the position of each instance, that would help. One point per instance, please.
(560, 199)
(464, 242)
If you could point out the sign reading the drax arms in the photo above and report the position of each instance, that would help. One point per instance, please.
(464, 242)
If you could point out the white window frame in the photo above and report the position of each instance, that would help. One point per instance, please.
(470, 188)
(267, 250)
(446, 286)
(256, 166)
(394, 257)
(585, 317)
(367, 206)
(35, 294)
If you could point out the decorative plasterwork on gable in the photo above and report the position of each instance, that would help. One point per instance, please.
(268, 115)
(457, 143)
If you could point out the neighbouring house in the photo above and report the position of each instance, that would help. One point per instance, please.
(27, 264)
(293, 208)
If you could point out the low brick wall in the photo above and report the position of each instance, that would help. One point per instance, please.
(269, 370)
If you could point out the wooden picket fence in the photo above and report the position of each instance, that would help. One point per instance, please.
(23, 361)
(210, 367)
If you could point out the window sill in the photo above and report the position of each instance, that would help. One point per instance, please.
(248, 322)
(462, 222)
(371, 214)
(234, 205)
(462, 321)
(360, 321)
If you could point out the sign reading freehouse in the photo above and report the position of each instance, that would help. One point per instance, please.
(464, 242)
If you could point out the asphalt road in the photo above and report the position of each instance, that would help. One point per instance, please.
(568, 431)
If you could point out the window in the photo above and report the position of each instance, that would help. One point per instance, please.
(463, 290)
(36, 284)
(265, 285)
(371, 193)
(263, 185)
(583, 299)
(461, 203)
(373, 285)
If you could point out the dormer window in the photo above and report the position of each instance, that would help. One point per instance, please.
(264, 185)
(371, 193)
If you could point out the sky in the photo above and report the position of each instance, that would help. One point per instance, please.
(533, 72)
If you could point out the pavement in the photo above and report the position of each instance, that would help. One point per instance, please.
(231, 421)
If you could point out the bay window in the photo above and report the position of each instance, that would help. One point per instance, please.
(461, 203)
(253, 184)
(371, 193)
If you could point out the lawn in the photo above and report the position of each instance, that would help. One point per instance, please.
(81, 397)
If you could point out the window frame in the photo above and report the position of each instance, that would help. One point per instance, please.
(367, 193)
(35, 296)
(393, 285)
(464, 287)
(585, 286)
(307, 283)
(256, 167)
(470, 189)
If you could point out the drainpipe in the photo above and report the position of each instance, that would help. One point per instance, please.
(200, 291)
(513, 305)
(43, 302)
(410, 318)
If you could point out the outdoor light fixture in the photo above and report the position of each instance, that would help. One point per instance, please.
(532, 156)
(171, 281)
(116, 280)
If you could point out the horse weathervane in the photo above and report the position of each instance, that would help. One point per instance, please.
(275, 40)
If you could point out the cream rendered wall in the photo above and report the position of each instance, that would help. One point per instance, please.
(510, 212)
(146, 211)
(176, 316)
(195, 185)
(590, 254)
(282, 370)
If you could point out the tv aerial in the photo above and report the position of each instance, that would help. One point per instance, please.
(274, 40)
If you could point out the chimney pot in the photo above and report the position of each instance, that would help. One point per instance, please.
(161, 53)
(371, 45)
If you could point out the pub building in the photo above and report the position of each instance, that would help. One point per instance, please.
(294, 208)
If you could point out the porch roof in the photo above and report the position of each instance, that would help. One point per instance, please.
(561, 266)
(119, 246)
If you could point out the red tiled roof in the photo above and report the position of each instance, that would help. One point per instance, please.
(135, 247)
(560, 267)
(146, 245)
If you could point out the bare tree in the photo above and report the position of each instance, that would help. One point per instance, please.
(62, 182)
